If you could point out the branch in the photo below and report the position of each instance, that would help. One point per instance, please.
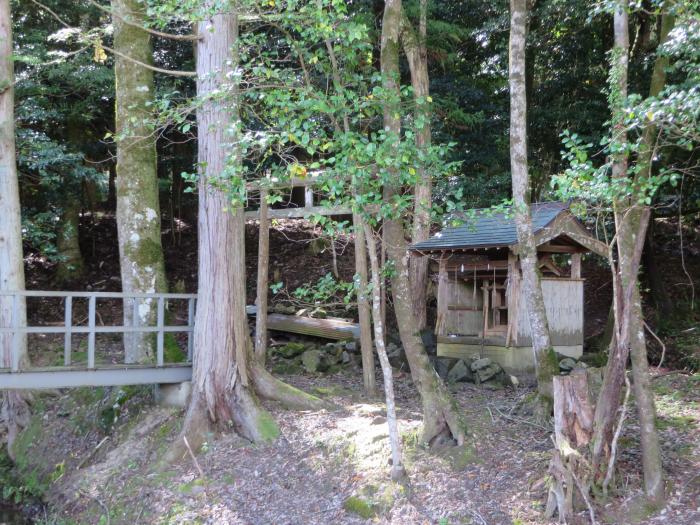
(663, 346)
(616, 438)
(174, 73)
(190, 38)
(171, 72)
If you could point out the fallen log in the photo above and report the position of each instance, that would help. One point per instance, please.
(326, 328)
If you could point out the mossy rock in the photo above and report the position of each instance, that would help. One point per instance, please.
(290, 350)
(287, 367)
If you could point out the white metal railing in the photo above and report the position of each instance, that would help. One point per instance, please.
(17, 328)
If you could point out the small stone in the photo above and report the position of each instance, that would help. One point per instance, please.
(378, 420)
(392, 348)
(396, 356)
(480, 364)
(514, 381)
(313, 361)
(345, 357)
(442, 365)
(351, 346)
(567, 364)
(459, 372)
(488, 372)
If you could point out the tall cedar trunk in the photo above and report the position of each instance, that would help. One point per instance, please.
(263, 271)
(644, 397)
(14, 411)
(397, 469)
(138, 210)
(221, 395)
(439, 414)
(545, 359)
(70, 266)
(417, 54)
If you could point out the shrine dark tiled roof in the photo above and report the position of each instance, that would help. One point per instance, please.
(489, 229)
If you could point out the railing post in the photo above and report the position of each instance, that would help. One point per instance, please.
(16, 339)
(161, 335)
(190, 324)
(67, 338)
(91, 332)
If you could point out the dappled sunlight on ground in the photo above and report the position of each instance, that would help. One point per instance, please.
(333, 466)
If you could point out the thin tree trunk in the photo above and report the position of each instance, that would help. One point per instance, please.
(138, 210)
(70, 265)
(643, 394)
(397, 469)
(14, 410)
(545, 359)
(417, 54)
(654, 275)
(439, 413)
(363, 307)
(263, 270)
(609, 397)
(221, 396)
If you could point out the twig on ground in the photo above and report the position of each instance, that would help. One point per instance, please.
(92, 453)
(522, 420)
(475, 513)
(493, 420)
(586, 499)
(194, 459)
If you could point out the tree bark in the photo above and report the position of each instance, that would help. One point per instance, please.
(643, 394)
(14, 409)
(415, 48)
(545, 359)
(573, 428)
(221, 395)
(263, 270)
(609, 397)
(70, 265)
(654, 275)
(439, 413)
(363, 307)
(397, 469)
(138, 210)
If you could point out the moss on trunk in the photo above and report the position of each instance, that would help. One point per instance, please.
(138, 209)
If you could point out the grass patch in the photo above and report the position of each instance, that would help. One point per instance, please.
(359, 506)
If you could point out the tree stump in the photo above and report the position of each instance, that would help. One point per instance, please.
(573, 429)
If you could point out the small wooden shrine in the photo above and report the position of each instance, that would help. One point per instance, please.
(479, 310)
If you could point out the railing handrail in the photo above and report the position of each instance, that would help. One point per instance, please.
(100, 295)
(68, 329)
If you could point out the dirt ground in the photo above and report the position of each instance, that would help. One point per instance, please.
(331, 467)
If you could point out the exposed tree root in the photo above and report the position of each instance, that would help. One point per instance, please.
(441, 416)
(273, 389)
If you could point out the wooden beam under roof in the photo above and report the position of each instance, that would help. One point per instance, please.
(300, 213)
